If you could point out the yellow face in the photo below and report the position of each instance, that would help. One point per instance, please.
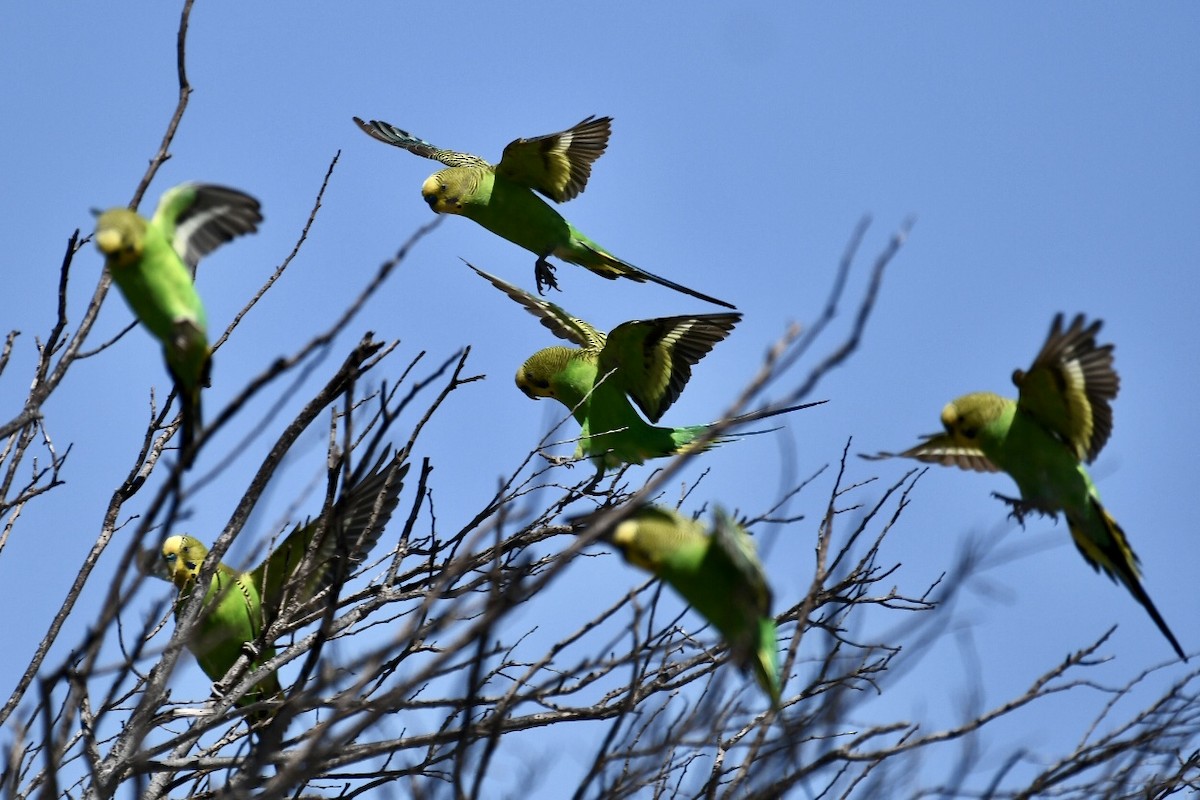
(949, 418)
(966, 417)
(119, 235)
(183, 556)
(624, 537)
(534, 378)
(534, 386)
(437, 195)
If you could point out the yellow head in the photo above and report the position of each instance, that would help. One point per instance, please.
(534, 376)
(625, 538)
(442, 194)
(183, 556)
(971, 415)
(120, 235)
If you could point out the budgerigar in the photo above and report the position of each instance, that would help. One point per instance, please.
(1060, 420)
(501, 197)
(153, 262)
(239, 606)
(717, 572)
(649, 361)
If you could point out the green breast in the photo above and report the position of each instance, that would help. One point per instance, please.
(234, 620)
(515, 213)
(1043, 466)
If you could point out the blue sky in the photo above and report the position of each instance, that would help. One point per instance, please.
(1048, 152)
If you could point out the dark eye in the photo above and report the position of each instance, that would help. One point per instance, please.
(970, 433)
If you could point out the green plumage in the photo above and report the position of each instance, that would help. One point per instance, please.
(717, 573)
(611, 431)
(501, 198)
(1061, 419)
(648, 361)
(239, 606)
(153, 261)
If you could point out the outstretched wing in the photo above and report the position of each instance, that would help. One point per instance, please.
(1070, 385)
(653, 358)
(560, 323)
(197, 218)
(390, 134)
(940, 448)
(557, 165)
(355, 523)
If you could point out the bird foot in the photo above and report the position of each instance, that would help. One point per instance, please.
(543, 273)
(1019, 508)
(220, 688)
(559, 461)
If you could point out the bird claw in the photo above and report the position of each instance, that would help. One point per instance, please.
(1019, 508)
(543, 273)
(220, 688)
(559, 461)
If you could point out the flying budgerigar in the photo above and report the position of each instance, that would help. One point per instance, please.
(718, 573)
(501, 197)
(239, 606)
(1060, 420)
(649, 361)
(153, 262)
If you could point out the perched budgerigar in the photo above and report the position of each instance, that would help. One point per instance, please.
(1061, 419)
(649, 361)
(501, 197)
(153, 262)
(718, 573)
(239, 606)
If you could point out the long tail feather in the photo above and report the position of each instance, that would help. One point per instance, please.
(1119, 562)
(766, 660)
(685, 438)
(627, 270)
(192, 417)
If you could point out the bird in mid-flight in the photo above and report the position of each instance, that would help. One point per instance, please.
(501, 197)
(648, 361)
(1060, 420)
(153, 262)
(717, 572)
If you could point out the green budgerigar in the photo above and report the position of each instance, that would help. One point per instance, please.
(501, 197)
(1060, 420)
(239, 606)
(153, 262)
(649, 361)
(718, 573)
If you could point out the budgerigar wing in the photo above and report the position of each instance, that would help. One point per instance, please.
(390, 134)
(736, 547)
(653, 358)
(197, 218)
(559, 164)
(940, 448)
(1070, 386)
(560, 323)
(356, 522)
